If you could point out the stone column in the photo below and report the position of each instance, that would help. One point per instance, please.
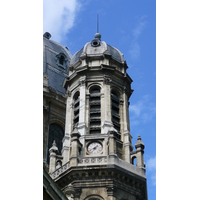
(69, 112)
(139, 145)
(53, 152)
(82, 107)
(66, 148)
(106, 105)
(125, 110)
(68, 128)
(112, 143)
(75, 147)
(121, 102)
(126, 133)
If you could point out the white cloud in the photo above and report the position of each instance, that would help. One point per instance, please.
(139, 28)
(135, 48)
(59, 17)
(151, 168)
(143, 110)
(151, 163)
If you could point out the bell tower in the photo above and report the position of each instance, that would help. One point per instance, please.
(97, 154)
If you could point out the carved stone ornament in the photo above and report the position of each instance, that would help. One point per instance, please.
(82, 82)
(107, 80)
(71, 68)
(121, 101)
(68, 93)
(125, 90)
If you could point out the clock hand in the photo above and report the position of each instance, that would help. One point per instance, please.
(95, 147)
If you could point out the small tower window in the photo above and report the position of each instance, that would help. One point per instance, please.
(95, 110)
(61, 60)
(115, 111)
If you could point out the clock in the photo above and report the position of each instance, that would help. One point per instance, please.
(94, 147)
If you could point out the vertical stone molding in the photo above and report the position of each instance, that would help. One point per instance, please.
(125, 109)
(106, 107)
(66, 148)
(127, 145)
(112, 143)
(68, 119)
(82, 109)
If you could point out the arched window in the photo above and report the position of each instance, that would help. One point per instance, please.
(55, 133)
(76, 104)
(95, 110)
(115, 111)
(61, 60)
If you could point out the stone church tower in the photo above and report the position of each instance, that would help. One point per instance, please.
(97, 157)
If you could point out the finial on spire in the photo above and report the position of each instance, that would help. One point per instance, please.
(98, 35)
(97, 23)
(139, 138)
(54, 143)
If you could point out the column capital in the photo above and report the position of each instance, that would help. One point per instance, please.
(82, 81)
(107, 80)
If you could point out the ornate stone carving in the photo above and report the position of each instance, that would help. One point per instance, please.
(107, 80)
(121, 101)
(82, 81)
(125, 90)
(68, 93)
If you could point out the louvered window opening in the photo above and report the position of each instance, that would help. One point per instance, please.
(76, 110)
(115, 111)
(95, 111)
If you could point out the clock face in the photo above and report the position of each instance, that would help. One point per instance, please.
(94, 147)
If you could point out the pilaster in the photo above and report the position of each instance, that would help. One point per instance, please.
(106, 105)
(66, 148)
(82, 110)
(68, 119)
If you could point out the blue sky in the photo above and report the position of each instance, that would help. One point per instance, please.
(129, 26)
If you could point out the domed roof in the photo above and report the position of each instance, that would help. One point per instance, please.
(97, 48)
(53, 53)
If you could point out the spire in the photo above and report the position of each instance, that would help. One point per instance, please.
(54, 147)
(98, 35)
(97, 23)
(139, 142)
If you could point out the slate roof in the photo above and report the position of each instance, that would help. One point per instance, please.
(55, 72)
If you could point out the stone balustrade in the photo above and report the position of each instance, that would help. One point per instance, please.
(59, 171)
(101, 160)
